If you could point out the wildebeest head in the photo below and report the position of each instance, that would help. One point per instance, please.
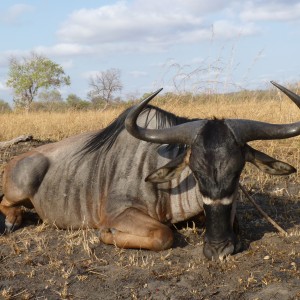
(216, 154)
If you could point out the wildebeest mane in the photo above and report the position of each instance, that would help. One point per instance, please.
(105, 138)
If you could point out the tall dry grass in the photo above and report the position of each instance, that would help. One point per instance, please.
(54, 125)
(59, 125)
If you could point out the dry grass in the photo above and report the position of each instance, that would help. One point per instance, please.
(56, 126)
(53, 126)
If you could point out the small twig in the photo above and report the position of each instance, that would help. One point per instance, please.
(270, 220)
(18, 294)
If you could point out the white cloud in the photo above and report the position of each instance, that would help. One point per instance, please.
(225, 29)
(58, 50)
(138, 26)
(64, 49)
(119, 23)
(149, 26)
(271, 11)
(14, 14)
(194, 7)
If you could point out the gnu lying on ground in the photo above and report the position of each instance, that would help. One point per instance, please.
(146, 170)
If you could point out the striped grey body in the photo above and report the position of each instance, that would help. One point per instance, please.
(89, 189)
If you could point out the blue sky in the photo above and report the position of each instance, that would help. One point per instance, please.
(184, 45)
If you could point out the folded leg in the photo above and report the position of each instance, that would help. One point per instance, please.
(135, 229)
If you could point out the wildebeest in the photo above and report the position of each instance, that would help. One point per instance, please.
(146, 170)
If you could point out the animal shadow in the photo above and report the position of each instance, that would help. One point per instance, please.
(283, 210)
(29, 218)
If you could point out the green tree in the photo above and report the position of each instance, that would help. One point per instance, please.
(49, 101)
(29, 75)
(50, 96)
(75, 102)
(4, 107)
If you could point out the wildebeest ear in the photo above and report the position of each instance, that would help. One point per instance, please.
(171, 170)
(267, 163)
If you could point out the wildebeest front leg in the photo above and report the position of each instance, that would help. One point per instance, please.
(13, 215)
(135, 229)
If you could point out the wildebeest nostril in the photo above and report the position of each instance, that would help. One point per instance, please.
(213, 250)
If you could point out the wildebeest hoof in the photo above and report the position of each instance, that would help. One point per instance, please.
(10, 227)
(113, 230)
(106, 231)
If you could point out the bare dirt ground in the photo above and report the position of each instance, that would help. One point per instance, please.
(42, 262)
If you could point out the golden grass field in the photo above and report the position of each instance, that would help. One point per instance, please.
(57, 125)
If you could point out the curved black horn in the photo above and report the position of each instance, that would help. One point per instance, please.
(248, 130)
(180, 134)
(294, 97)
